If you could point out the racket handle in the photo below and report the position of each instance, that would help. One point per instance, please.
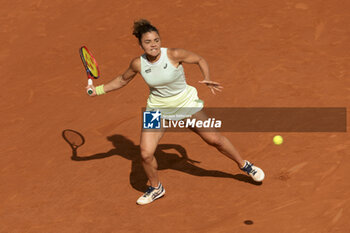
(90, 91)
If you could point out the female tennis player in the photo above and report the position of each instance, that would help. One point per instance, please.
(162, 70)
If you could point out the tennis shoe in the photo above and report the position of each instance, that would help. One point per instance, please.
(151, 195)
(255, 172)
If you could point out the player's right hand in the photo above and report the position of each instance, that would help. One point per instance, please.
(92, 88)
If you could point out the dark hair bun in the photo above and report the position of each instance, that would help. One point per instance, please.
(142, 26)
(139, 24)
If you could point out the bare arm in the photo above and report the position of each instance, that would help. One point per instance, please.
(121, 80)
(179, 56)
(184, 56)
(125, 78)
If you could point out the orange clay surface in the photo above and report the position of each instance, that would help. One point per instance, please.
(269, 53)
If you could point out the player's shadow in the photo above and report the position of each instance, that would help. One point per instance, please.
(177, 160)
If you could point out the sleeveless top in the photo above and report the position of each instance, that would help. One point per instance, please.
(162, 77)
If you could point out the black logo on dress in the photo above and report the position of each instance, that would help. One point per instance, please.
(148, 70)
(166, 65)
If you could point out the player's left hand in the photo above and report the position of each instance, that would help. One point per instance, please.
(214, 86)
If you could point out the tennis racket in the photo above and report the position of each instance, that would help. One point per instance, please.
(91, 66)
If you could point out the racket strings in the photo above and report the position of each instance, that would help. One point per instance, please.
(90, 62)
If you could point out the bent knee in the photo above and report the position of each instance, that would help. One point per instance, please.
(215, 140)
(147, 154)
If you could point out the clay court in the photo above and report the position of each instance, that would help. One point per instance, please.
(268, 53)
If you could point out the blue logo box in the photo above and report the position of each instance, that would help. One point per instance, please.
(151, 119)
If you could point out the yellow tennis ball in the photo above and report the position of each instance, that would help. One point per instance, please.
(278, 140)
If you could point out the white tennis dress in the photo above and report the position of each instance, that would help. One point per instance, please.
(169, 92)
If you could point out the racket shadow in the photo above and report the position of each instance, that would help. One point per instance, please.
(74, 140)
(177, 160)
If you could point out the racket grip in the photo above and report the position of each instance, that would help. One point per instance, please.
(90, 91)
